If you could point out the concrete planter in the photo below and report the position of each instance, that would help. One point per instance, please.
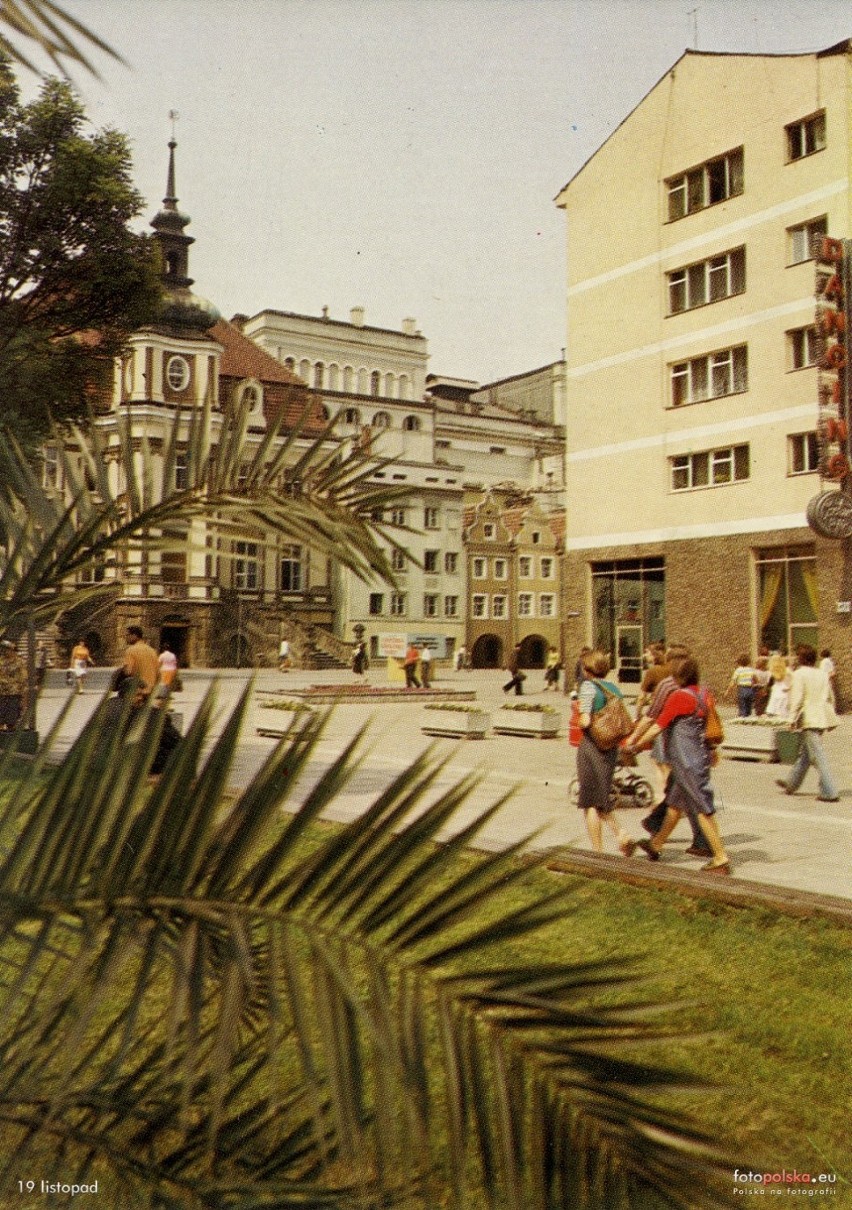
(750, 741)
(542, 723)
(455, 724)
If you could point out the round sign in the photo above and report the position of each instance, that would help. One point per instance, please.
(830, 514)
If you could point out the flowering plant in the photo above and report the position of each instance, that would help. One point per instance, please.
(533, 707)
(463, 707)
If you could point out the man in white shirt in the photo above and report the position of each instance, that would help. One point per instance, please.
(425, 666)
(811, 710)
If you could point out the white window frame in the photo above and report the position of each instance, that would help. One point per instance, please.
(547, 605)
(178, 373)
(547, 567)
(802, 453)
(711, 376)
(489, 531)
(525, 567)
(479, 568)
(451, 563)
(430, 605)
(501, 569)
(246, 566)
(499, 606)
(398, 560)
(479, 605)
(526, 605)
(451, 606)
(805, 137)
(433, 557)
(706, 184)
(398, 605)
(800, 239)
(707, 281)
(710, 468)
(802, 348)
(292, 556)
(431, 517)
(397, 516)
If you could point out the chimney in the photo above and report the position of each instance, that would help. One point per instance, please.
(409, 327)
(356, 317)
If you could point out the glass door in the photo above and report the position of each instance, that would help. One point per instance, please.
(629, 648)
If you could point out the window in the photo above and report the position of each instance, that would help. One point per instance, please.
(181, 471)
(246, 572)
(525, 604)
(177, 373)
(498, 606)
(375, 383)
(398, 560)
(397, 604)
(536, 537)
(451, 563)
(430, 605)
(489, 532)
(451, 607)
(501, 569)
(788, 596)
(806, 136)
(411, 424)
(803, 453)
(442, 445)
(430, 560)
(430, 518)
(381, 420)
(377, 603)
(802, 348)
(291, 569)
(397, 516)
(497, 449)
(352, 416)
(800, 239)
(479, 569)
(479, 605)
(546, 605)
(710, 377)
(547, 569)
(705, 185)
(172, 567)
(711, 468)
(525, 567)
(707, 281)
(318, 374)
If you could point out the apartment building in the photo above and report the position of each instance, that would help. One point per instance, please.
(692, 376)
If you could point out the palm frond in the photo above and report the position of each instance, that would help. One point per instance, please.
(52, 29)
(222, 1007)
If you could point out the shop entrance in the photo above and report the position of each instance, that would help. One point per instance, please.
(629, 647)
(487, 652)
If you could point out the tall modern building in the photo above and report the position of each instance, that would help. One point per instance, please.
(694, 364)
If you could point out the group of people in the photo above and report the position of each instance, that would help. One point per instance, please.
(417, 659)
(673, 715)
(764, 687)
(677, 719)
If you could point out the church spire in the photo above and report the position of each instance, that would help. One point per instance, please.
(181, 308)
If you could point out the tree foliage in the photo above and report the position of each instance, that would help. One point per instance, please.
(74, 279)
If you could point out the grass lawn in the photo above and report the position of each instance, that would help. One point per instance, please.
(767, 997)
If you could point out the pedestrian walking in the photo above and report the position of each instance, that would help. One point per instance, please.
(516, 681)
(596, 767)
(359, 658)
(409, 665)
(552, 668)
(742, 684)
(284, 658)
(811, 712)
(81, 662)
(168, 670)
(683, 719)
(461, 659)
(426, 666)
(828, 666)
(141, 663)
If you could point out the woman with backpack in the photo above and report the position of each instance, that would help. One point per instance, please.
(683, 720)
(596, 765)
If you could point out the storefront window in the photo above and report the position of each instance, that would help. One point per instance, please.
(787, 597)
(628, 603)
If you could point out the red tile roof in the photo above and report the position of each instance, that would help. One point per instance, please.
(242, 358)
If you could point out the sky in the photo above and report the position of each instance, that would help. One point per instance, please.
(400, 155)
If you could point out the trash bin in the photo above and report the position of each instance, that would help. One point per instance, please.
(787, 744)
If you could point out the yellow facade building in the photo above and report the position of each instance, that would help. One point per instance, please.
(691, 363)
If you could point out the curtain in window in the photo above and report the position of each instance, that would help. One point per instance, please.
(772, 577)
(810, 581)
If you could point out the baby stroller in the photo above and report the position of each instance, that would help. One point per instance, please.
(629, 787)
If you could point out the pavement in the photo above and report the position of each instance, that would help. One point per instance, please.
(792, 842)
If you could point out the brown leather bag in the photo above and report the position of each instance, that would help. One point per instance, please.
(612, 723)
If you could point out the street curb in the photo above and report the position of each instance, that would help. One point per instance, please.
(731, 891)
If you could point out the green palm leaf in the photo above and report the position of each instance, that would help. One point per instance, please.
(210, 1006)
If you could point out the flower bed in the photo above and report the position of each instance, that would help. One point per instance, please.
(527, 719)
